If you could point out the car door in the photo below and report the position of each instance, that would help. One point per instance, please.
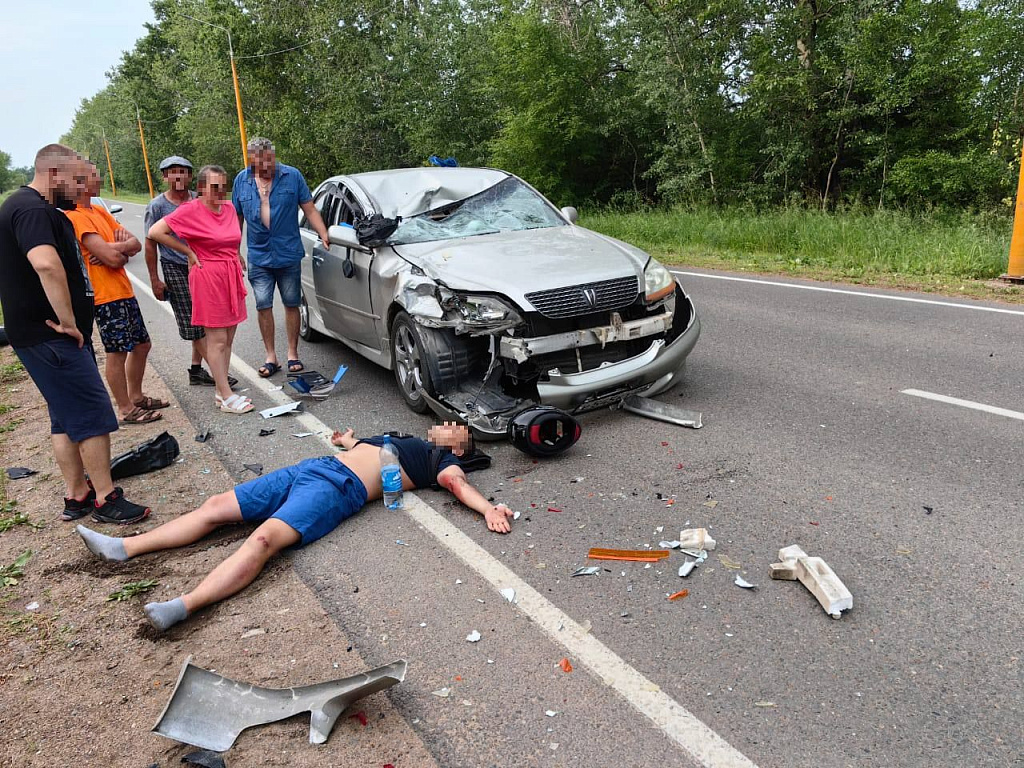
(345, 301)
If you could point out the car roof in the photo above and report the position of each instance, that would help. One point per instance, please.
(409, 191)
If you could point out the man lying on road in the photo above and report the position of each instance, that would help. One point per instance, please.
(297, 505)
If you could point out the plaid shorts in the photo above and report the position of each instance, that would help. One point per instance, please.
(176, 279)
(121, 325)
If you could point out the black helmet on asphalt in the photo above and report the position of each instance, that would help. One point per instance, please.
(543, 430)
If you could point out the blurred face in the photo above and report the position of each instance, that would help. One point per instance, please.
(215, 190)
(68, 182)
(92, 186)
(178, 178)
(450, 435)
(264, 163)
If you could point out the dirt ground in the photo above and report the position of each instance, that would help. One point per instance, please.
(84, 679)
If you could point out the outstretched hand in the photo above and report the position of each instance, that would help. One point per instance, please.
(497, 518)
(343, 439)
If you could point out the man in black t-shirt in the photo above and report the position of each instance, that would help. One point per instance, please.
(48, 315)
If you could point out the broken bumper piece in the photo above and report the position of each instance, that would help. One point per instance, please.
(209, 711)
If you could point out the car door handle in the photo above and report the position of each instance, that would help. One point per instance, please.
(319, 254)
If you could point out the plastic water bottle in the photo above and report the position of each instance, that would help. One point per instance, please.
(390, 475)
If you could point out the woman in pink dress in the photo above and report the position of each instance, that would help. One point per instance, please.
(209, 228)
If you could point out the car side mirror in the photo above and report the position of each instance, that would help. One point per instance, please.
(345, 237)
(116, 209)
(571, 214)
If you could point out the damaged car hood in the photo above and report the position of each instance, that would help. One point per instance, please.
(517, 263)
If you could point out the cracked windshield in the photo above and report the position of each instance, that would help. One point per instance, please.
(508, 206)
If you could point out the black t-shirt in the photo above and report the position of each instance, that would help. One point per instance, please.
(417, 458)
(27, 220)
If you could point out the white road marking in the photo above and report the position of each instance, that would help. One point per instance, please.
(700, 742)
(910, 299)
(965, 403)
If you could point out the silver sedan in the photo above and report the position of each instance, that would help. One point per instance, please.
(486, 298)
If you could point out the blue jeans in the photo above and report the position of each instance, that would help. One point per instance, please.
(287, 279)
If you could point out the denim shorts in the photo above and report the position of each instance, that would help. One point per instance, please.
(70, 383)
(313, 497)
(287, 279)
(121, 326)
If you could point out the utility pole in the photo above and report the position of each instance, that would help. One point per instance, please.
(145, 156)
(110, 167)
(1015, 267)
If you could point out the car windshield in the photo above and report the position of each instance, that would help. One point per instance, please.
(508, 206)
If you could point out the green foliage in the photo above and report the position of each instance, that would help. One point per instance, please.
(11, 574)
(132, 589)
(974, 180)
(12, 518)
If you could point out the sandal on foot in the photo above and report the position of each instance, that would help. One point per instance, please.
(139, 415)
(148, 403)
(295, 366)
(268, 369)
(235, 404)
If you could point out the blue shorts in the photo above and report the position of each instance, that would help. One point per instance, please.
(312, 497)
(121, 326)
(70, 382)
(287, 279)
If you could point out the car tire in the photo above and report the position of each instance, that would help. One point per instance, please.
(306, 330)
(411, 371)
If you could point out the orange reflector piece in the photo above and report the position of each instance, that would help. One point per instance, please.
(565, 665)
(679, 595)
(639, 555)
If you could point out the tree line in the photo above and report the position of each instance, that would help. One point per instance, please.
(823, 103)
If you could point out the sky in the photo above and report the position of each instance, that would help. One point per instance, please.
(53, 54)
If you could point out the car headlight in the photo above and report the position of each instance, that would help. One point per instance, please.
(658, 282)
(481, 311)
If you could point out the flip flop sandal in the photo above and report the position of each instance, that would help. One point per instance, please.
(268, 369)
(139, 415)
(148, 403)
(235, 404)
(294, 366)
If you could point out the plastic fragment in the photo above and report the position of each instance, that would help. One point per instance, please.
(509, 594)
(515, 515)
(203, 436)
(687, 568)
(361, 717)
(566, 665)
(17, 473)
(764, 704)
(473, 637)
(443, 693)
(679, 595)
(554, 509)
(265, 432)
(587, 570)
(641, 556)
(205, 759)
(669, 544)
(301, 434)
(741, 582)
(280, 410)
(730, 564)
(696, 538)
(256, 469)
(401, 543)
(253, 633)
(550, 712)
(33, 606)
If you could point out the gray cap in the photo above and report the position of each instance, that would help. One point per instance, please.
(169, 162)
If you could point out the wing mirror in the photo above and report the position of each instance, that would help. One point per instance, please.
(116, 209)
(345, 237)
(571, 214)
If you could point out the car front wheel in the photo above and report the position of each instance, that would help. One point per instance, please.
(411, 372)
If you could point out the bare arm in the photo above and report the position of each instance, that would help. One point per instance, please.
(497, 516)
(162, 234)
(315, 221)
(346, 439)
(107, 254)
(128, 242)
(47, 264)
(154, 276)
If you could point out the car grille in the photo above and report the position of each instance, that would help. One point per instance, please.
(584, 299)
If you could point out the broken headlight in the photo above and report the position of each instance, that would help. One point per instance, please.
(480, 311)
(658, 282)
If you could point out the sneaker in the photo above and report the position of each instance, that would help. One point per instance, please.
(74, 509)
(117, 509)
(202, 378)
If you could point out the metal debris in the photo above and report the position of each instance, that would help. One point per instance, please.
(473, 637)
(590, 570)
(655, 409)
(280, 410)
(741, 582)
(210, 711)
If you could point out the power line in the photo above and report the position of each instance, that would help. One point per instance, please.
(274, 53)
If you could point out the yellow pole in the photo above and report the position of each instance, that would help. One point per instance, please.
(110, 168)
(1015, 269)
(238, 106)
(145, 157)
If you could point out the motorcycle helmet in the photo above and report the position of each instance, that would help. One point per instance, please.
(543, 430)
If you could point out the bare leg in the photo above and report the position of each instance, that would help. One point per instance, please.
(198, 351)
(291, 325)
(118, 381)
(243, 566)
(135, 369)
(95, 452)
(218, 353)
(70, 462)
(266, 320)
(215, 511)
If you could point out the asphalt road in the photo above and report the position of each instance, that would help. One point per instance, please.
(808, 440)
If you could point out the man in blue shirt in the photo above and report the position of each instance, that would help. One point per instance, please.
(267, 196)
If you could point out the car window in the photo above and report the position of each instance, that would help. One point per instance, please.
(348, 209)
(508, 206)
(318, 202)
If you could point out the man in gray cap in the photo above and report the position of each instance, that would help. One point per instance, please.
(177, 173)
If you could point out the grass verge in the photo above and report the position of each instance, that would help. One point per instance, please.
(957, 254)
(124, 196)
